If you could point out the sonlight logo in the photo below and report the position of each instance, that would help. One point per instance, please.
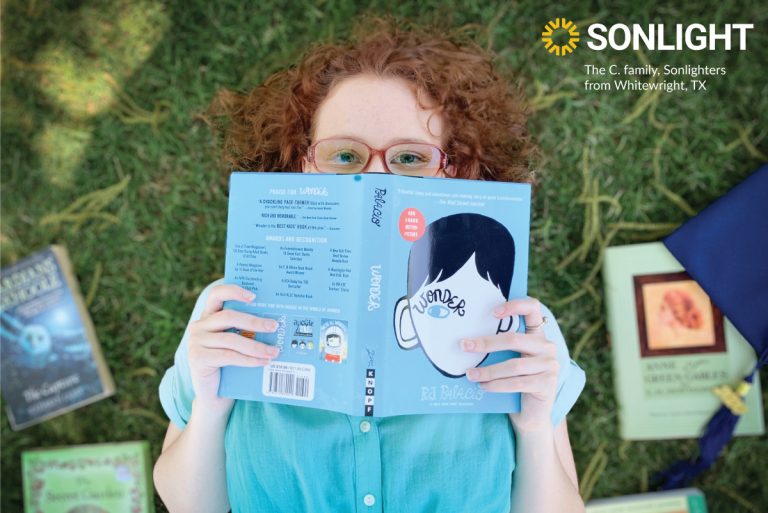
(551, 28)
(696, 36)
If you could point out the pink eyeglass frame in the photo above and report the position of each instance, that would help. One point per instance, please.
(373, 152)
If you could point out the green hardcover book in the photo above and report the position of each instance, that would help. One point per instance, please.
(686, 500)
(671, 347)
(102, 478)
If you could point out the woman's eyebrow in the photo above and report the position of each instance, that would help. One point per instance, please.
(389, 143)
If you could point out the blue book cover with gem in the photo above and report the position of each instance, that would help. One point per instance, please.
(373, 280)
(51, 359)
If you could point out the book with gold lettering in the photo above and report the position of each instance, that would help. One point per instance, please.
(672, 348)
(51, 360)
(98, 478)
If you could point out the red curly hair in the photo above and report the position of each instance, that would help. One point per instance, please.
(270, 128)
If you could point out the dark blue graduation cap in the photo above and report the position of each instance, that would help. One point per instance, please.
(725, 249)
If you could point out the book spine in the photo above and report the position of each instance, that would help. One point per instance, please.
(374, 270)
(617, 350)
(148, 504)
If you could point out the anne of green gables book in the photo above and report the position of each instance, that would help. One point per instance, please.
(672, 347)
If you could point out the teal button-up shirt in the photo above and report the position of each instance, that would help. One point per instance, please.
(290, 458)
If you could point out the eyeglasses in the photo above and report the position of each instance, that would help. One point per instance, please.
(350, 156)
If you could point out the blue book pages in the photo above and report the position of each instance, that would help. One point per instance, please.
(373, 280)
(51, 361)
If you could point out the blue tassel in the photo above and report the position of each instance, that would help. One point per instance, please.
(737, 282)
(717, 434)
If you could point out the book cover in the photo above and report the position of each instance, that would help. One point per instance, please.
(373, 280)
(671, 347)
(685, 500)
(51, 360)
(99, 478)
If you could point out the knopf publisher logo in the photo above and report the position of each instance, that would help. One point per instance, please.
(560, 24)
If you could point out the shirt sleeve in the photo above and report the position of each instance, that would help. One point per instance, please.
(176, 392)
(571, 379)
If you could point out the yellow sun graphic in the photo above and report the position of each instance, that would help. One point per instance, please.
(560, 23)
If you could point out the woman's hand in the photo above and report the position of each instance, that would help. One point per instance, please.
(534, 373)
(211, 348)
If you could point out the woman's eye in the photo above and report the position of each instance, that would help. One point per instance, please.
(438, 311)
(409, 159)
(345, 157)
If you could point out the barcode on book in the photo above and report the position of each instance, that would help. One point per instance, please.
(290, 380)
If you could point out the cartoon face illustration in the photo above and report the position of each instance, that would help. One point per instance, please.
(332, 340)
(457, 273)
(334, 345)
(442, 313)
(35, 340)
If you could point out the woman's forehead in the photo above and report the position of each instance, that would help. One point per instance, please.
(376, 110)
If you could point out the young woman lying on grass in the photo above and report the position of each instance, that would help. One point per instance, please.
(379, 103)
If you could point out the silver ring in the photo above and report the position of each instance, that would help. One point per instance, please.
(533, 329)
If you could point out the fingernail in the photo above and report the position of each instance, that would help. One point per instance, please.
(273, 351)
(250, 296)
(272, 325)
(473, 374)
(468, 344)
(498, 311)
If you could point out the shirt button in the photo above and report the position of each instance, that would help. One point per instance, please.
(365, 426)
(369, 500)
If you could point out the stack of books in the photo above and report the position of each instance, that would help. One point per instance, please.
(672, 348)
(52, 363)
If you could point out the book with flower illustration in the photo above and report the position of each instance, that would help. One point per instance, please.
(51, 359)
(373, 279)
(98, 478)
(671, 348)
(684, 500)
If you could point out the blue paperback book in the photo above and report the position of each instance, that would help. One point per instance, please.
(373, 280)
(51, 359)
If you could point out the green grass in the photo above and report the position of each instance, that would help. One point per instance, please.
(96, 92)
